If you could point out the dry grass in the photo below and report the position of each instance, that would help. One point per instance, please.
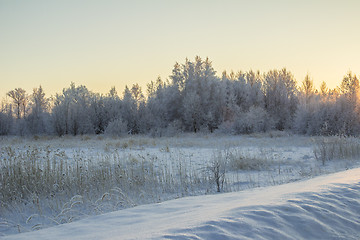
(47, 181)
(336, 148)
(53, 188)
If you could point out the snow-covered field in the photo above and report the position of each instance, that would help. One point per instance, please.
(133, 203)
(325, 207)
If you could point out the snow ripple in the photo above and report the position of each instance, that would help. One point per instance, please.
(333, 214)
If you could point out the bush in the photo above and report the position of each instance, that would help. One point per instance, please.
(118, 127)
(239, 161)
(217, 169)
(255, 120)
(174, 128)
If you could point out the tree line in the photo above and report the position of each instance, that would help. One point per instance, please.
(192, 99)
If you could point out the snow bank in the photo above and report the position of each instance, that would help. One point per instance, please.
(326, 207)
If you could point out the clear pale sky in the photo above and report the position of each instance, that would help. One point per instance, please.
(102, 44)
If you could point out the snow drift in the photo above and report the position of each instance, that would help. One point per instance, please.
(325, 207)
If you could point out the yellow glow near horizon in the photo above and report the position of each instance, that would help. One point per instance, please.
(101, 44)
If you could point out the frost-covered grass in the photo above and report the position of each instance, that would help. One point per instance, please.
(44, 187)
(325, 207)
(47, 181)
(327, 149)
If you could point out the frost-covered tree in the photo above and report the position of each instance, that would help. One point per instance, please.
(331, 111)
(6, 122)
(129, 111)
(192, 113)
(164, 105)
(39, 118)
(112, 105)
(307, 107)
(280, 97)
(350, 87)
(192, 99)
(324, 91)
(307, 89)
(255, 95)
(177, 77)
(71, 111)
(349, 84)
(137, 94)
(229, 106)
(348, 104)
(79, 110)
(198, 110)
(97, 111)
(39, 101)
(6, 118)
(214, 116)
(19, 98)
(242, 92)
(308, 119)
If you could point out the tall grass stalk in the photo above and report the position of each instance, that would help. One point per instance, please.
(336, 148)
(54, 188)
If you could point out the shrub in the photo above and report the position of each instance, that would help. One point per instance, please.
(239, 161)
(255, 120)
(217, 169)
(118, 127)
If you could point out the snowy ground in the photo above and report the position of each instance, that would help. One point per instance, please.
(184, 163)
(325, 207)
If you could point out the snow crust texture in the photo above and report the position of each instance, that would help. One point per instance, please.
(328, 215)
(326, 207)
